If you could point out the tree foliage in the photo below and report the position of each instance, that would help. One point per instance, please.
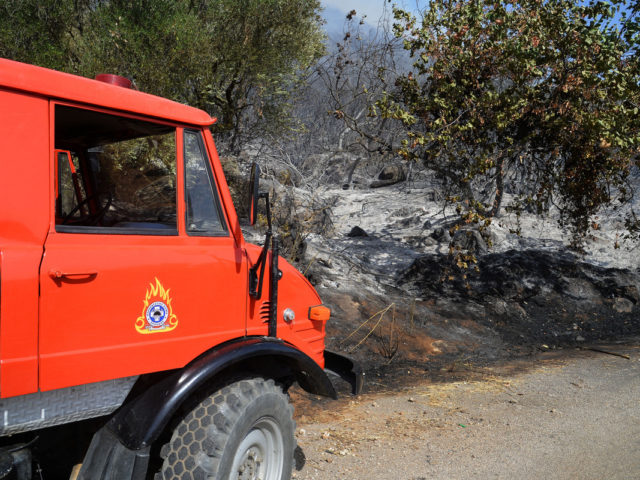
(536, 98)
(240, 60)
(36, 32)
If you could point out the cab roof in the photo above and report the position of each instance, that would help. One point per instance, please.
(72, 88)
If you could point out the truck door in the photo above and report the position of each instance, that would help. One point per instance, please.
(140, 272)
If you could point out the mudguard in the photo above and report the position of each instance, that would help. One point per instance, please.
(108, 459)
(346, 369)
(139, 423)
(121, 448)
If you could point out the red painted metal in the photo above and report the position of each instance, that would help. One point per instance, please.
(25, 191)
(114, 80)
(63, 86)
(72, 305)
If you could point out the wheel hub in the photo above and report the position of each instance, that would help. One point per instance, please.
(259, 455)
(250, 468)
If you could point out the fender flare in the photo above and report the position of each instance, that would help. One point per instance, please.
(140, 422)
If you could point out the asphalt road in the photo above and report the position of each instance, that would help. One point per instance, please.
(568, 415)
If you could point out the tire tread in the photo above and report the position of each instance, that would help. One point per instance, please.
(216, 415)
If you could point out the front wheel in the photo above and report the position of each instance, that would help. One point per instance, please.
(245, 431)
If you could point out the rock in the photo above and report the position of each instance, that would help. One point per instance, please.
(357, 232)
(499, 307)
(407, 222)
(470, 240)
(622, 305)
(389, 175)
(579, 338)
(441, 235)
(325, 262)
(392, 172)
(429, 241)
(631, 292)
(582, 289)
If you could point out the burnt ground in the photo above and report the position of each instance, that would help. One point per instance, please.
(516, 305)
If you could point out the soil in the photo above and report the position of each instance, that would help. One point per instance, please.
(570, 413)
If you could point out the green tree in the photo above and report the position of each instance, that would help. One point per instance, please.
(37, 32)
(241, 60)
(261, 49)
(161, 45)
(535, 97)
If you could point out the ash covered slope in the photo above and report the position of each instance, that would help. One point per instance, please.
(384, 270)
(531, 291)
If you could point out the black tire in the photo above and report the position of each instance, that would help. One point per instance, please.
(245, 431)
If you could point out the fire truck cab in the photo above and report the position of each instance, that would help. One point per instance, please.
(128, 293)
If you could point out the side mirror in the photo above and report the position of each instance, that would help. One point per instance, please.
(254, 193)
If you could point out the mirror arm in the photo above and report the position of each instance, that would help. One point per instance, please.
(265, 195)
(273, 297)
(257, 281)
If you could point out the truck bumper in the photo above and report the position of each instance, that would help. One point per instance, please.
(346, 369)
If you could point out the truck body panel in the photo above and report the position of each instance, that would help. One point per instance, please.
(24, 196)
(87, 326)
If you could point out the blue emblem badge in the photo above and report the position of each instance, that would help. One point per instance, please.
(157, 314)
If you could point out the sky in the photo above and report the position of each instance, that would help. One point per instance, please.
(335, 12)
(371, 8)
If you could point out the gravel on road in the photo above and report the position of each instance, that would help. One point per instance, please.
(568, 415)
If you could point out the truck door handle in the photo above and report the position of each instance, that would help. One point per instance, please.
(59, 275)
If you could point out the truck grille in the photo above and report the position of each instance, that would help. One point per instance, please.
(264, 311)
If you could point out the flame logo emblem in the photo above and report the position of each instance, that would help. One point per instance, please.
(157, 314)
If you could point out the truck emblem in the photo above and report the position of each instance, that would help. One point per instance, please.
(157, 314)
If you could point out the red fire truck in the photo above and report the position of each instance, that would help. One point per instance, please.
(128, 294)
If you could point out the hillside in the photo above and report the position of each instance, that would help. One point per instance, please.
(382, 265)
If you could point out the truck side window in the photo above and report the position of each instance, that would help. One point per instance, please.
(204, 217)
(127, 171)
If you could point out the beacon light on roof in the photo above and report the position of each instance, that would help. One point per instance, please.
(114, 80)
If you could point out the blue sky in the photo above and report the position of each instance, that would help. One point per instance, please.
(371, 8)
